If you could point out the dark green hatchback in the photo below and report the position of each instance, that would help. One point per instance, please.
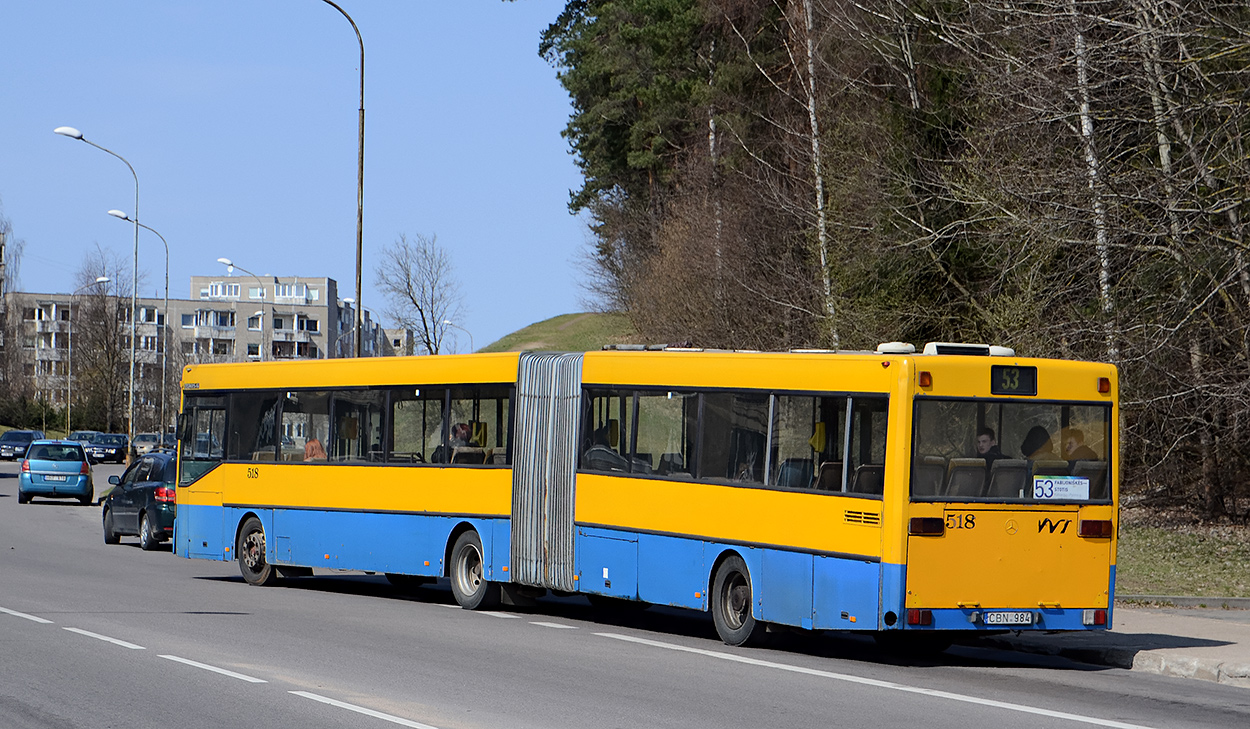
(143, 502)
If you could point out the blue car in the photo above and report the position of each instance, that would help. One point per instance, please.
(56, 469)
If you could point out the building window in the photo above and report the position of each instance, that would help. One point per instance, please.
(255, 292)
(223, 319)
(221, 289)
(188, 321)
(279, 323)
(253, 350)
(289, 291)
(307, 325)
(148, 343)
(65, 314)
(314, 294)
(188, 347)
(28, 314)
(203, 293)
(253, 323)
(222, 346)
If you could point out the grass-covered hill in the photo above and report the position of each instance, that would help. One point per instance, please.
(568, 332)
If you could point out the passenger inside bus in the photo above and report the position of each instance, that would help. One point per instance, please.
(600, 456)
(1037, 445)
(1074, 448)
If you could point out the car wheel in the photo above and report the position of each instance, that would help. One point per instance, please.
(22, 498)
(147, 540)
(731, 604)
(110, 536)
(468, 582)
(87, 499)
(251, 551)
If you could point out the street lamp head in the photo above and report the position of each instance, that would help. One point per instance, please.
(119, 214)
(348, 300)
(68, 132)
(226, 261)
(259, 313)
(102, 279)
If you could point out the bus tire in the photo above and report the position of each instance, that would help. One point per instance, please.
(468, 582)
(251, 554)
(732, 597)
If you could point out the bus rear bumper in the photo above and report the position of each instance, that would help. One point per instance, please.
(1006, 619)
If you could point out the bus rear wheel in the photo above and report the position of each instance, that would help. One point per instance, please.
(468, 582)
(731, 604)
(251, 553)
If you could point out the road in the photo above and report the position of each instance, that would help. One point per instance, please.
(112, 636)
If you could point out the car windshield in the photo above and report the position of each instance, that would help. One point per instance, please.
(54, 452)
(109, 440)
(81, 435)
(16, 436)
(999, 450)
(145, 438)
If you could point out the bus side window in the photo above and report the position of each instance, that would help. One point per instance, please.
(203, 432)
(667, 423)
(253, 426)
(867, 445)
(606, 430)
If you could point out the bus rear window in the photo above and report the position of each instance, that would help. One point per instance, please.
(994, 450)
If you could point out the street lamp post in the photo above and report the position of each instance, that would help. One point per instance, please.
(230, 266)
(451, 323)
(161, 330)
(69, 364)
(73, 133)
(360, 174)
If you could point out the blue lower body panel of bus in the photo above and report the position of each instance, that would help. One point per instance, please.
(792, 588)
(413, 544)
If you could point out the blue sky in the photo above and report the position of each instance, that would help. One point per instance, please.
(240, 119)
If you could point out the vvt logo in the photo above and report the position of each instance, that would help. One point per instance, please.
(1047, 523)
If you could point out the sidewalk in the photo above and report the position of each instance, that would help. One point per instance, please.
(1211, 643)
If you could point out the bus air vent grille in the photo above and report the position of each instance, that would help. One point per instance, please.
(861, 517)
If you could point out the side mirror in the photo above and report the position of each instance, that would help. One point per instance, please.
(114, 480)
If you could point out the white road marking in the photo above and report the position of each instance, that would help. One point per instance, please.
(877, 683)
(24, 615)
(215, 669)
(494, 614)
(443, 604)
(105, 638)
(553, 625)
(363, 710)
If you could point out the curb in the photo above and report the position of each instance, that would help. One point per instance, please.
(1227, 603)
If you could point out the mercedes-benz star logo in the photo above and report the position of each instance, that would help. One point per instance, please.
(1011, 526)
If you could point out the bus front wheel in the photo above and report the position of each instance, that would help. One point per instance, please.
(731, 604)
(251, 551)
(468, 582)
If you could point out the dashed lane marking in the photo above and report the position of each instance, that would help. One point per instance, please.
(363, 710)
(105, 638)
(558, 626)
(876, 683)
(16, 614)
(215, 669)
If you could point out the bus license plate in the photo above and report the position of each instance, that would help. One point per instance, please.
(1015, 617)
(54, 478)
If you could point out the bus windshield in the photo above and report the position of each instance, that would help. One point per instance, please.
(998, 450)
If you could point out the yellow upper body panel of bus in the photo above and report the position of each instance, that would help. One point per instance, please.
(964, 376)
(748, 370)
(449, 369)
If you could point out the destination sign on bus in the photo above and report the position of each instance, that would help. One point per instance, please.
(1059, 488)
(1012, 380)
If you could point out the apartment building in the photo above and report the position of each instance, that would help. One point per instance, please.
(226, 319)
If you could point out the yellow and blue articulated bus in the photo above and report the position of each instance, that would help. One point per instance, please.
(924, 494)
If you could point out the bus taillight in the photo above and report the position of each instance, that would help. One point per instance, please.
(1095, 528)
(1094, 617)
(917, 616)
(926, 526)
(1104, 385)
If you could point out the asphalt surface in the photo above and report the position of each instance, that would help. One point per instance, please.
(111, 636)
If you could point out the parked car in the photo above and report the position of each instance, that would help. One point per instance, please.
(55, 469)
(143, 501)
(83, 436)
(145, 442)
(169, 440)
(13, 443)
(108, 447)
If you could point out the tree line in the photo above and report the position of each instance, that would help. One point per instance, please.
(1066, 177)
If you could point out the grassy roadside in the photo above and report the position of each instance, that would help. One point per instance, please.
(568, 333)
(1194, 560)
